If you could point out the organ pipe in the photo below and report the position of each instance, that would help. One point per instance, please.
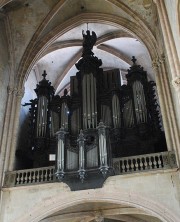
(97, 98)
(89, 101)
(116, 111)
(60, 162)
(81, 145)
(139, 102)
(64, 115)
(103, 148)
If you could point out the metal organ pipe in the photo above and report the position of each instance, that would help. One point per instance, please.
(116, 111)
(60, 153)
(81, 170)
(102, 148)
(89, 101)
(64, 115)
(84, 102)
(42, 116)
(139, 102)
(92, 100)
(95, 104)
(88, 98)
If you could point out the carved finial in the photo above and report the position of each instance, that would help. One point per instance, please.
(133, 60)
(89, 41)
(65, 92)
(44, 74)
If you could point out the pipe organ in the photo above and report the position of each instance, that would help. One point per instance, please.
(99, 119)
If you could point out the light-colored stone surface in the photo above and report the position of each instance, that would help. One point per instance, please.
(156, 194)
(4, 72)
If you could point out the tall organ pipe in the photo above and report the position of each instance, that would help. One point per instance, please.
(139, 102)
(60, 163)
(42, 116)
(116, 111)
(64, 115)
(92, 101)
(89, 101)
(103, 148)
(81, 145)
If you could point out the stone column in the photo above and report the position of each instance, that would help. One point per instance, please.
(167, 107)
(170, 47)
(6, 126)
(19, 93)
(10, 130)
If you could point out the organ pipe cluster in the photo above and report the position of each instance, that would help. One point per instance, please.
(99, 119)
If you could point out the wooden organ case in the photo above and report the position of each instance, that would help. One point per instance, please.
(98, 121)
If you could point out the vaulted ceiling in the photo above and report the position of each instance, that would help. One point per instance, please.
(114, 46)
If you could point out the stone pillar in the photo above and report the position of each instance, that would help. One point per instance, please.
(19, 93)
(169, 43)
(167, 107)
(10, 130)
(6, 126)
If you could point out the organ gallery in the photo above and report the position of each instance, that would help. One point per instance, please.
(97, 120)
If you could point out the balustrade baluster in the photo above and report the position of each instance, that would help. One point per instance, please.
(33, 176)
(28, 177)
(45, 175)
(37, 176)
(161, 159)
(49, 174)
(123, 167)
(150, 163)
(132, 165)
(125, 164)
(144, 163)
(52, 174)
(25, 178)
(129, 165)
(153, 162)
(156, 162)
(20, 178)
(136, 165)
(141, 164)
(17, 179)
(40, 176)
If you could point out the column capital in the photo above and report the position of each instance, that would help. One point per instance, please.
(156, 62)
(10, 90)
(20, 92)
(98, 217)
(176, 83)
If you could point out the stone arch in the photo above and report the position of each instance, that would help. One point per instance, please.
(140, 31)
(144, 35)
(56, 203)
(178, 16)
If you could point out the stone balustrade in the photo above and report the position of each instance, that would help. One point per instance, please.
(30, 176)
(133, 164)
(147, 162)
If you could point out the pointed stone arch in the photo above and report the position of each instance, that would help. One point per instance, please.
(57, 203)
(139, 31)
(32, 56)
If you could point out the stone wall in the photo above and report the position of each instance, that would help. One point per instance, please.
(158, 194)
